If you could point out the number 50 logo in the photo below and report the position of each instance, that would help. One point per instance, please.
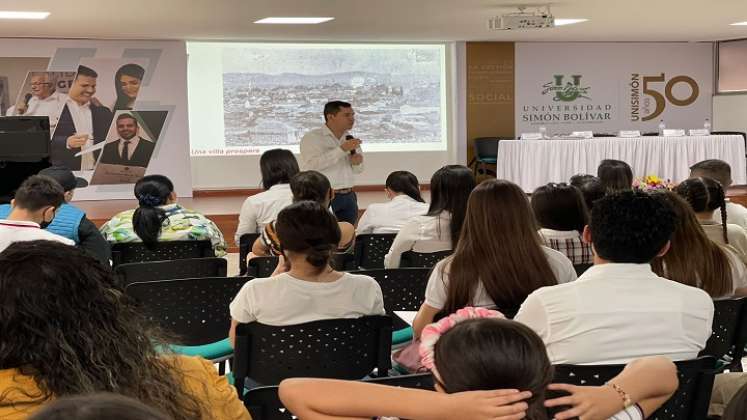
(661, 100)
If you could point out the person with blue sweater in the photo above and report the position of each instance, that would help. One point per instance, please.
(70, 221)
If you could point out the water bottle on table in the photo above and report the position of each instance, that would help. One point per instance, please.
(662, 127)
(543, 131)
(707, 125)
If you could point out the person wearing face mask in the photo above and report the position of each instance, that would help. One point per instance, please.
(129, 149)
(32, 210)
(83, 123)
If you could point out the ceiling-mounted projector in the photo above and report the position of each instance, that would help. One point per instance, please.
(523, 20)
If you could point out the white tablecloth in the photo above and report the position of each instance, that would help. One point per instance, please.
(532, 163)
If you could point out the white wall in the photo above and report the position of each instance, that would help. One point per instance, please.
(233, 172)
(730, 112)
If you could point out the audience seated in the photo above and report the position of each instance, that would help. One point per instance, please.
(67, 329)
(615, 175)
(705, 195)
(305, 288)
(70, 221)
(619, 310)
(721, 172)
(561, 214)
(97, 407)
(729, 397)
(695, 260)
(499, 259)
(437, 230)
(277, 166)
(591, 188)
(305, 186)
(159, 218)
(32, 210)
(484, 368)
(403, 191)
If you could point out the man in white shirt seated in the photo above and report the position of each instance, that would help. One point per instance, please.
(34, 206)
(619, 310)
(330, 150)
(721, 172)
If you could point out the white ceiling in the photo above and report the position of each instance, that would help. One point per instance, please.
(375, 20)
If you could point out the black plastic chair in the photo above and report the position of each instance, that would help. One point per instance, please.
(194, 311)
(245, 247)
(729, 335)
(333, 348)
(486, 153)
(371, 248)
(403, 290)
(581, 268)
(261, 267)
(689, 402)
(166, 250)
(422, 259)
(189, 268)
(263, 402)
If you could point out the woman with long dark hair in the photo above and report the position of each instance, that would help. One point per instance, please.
(89, 338)
(615, 175)
(403, 191)
(499, 259)
(561, 214)
(159, 218)
(705, 196)
(127, 83)
(695, 260)
(277, 167)
(437, 230)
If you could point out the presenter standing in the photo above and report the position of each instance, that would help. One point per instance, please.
(330, 150)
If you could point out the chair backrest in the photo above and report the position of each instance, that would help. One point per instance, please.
(371, 248)
(261, 267)
(486, 147)
(343, 261)
(245, 247)
(423, 259)
(194, 310)
(332, 348)
(403, 288)
(728, 333)
(689, 402)
(166, 250)
(264, 403)
(581, 268)
(188, 268)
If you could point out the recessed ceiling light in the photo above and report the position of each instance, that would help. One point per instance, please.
(563, 22)
(739, 23)
(23, 15)
(294, 20)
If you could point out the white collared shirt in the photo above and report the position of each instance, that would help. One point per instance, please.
(615, 313)
(389, 217)
(261, 209)
(130, 147)
(83, 121)
(735, 214)
(51, 107)
(420, 234)
(20, 231)
(320, 151)
(736, 235)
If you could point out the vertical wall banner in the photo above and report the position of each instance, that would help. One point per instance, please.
(490, 91)
(608, 87)
(146, 78)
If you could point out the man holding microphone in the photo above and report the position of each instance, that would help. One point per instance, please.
(333, 152)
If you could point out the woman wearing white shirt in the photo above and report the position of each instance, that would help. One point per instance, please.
(499, 259)
(437, 230)
(403, 191)
(695, 260)
(278, 167)
(305, 288)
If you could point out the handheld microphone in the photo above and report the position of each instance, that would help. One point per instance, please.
(27, 99)
(349, 137)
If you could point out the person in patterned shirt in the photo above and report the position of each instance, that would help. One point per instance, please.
(159, 218)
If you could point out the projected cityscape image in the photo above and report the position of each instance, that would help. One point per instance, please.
(273, 94)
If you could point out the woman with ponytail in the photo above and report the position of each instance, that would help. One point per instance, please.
(305, 288)
(705, 196)
(403, 191)
(159, 218)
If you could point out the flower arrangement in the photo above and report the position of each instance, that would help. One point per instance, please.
(652, 183)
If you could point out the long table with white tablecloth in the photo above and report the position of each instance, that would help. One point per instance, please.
(532, 163)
